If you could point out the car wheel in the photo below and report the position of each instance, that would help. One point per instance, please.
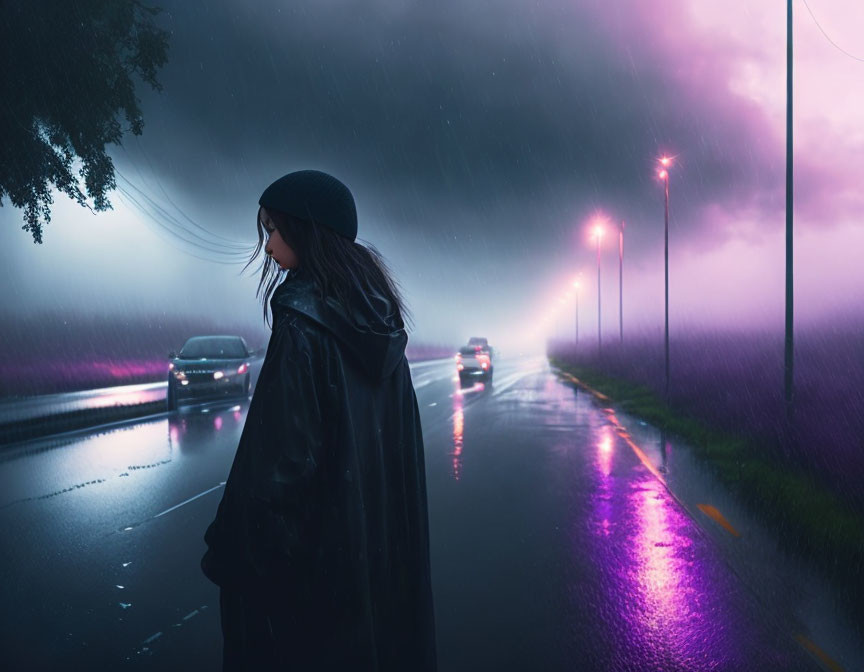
(171, 396)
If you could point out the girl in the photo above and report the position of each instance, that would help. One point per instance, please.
(320, 544)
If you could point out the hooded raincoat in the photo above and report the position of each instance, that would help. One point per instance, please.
(321, 543)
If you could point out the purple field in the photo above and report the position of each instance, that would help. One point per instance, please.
(733, 382)
(80, 352)
(64, 353)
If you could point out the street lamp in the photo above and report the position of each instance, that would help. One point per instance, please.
(788, 358)
(621, 280)
(598, 232)
(666, 161)
(576, 287)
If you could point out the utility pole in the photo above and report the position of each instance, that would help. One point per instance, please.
(599, 331)
(577, 286)
(789, 380)
(621, 281)
(666, 275)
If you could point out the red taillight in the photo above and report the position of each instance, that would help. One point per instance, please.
(170, 366)
(243, 368)
(485, 365)
(459, 367)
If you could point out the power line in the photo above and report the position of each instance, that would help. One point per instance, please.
(174, 236)
(827, 37)
(196, 238)
(168, 198)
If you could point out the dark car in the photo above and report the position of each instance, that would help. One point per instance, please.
(475, 360)
(208, 367)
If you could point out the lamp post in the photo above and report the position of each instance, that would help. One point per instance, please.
(789, 381)
(598, 232)
(621, 281)
(576, 287)
(665, 161)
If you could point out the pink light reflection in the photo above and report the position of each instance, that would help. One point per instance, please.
(604, 452)
(664, 576)
(458, 429)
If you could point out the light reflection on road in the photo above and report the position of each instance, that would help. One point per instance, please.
(193, 429)
(458, 432)
(666, 582)
(642, 545)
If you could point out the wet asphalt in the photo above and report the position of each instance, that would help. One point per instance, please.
(554, 546)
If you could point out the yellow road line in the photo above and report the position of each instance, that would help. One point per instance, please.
(823, 657)
(718, 518)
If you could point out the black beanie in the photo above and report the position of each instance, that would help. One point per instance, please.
(316, 196)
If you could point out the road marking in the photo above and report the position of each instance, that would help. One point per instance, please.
(512, 380)
(590, 389)
(643, 458)
(191, 499)
(823, 657)
(718, 518)
(433, 362)
(424, 383)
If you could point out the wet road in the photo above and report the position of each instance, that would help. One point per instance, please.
(554, 547)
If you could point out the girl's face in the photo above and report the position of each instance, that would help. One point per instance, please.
(281, 252)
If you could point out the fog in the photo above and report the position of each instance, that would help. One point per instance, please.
(481, 140)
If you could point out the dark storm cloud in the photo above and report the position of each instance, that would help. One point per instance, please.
(451, 119)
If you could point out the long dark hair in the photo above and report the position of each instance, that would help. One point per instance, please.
(339, 267)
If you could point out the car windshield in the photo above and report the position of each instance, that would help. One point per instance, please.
(214, 347)
(468, 350)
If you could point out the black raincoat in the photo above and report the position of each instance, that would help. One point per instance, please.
(321, 543)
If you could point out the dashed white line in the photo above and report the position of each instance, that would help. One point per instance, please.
(191, 499)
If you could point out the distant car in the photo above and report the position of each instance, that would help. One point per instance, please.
(208, 367)
(482, 342)
(478, 340)
(475, 360)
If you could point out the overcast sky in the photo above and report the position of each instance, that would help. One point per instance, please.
(480, 139)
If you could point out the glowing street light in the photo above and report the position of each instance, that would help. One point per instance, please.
(663, 174)
(598, 233)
